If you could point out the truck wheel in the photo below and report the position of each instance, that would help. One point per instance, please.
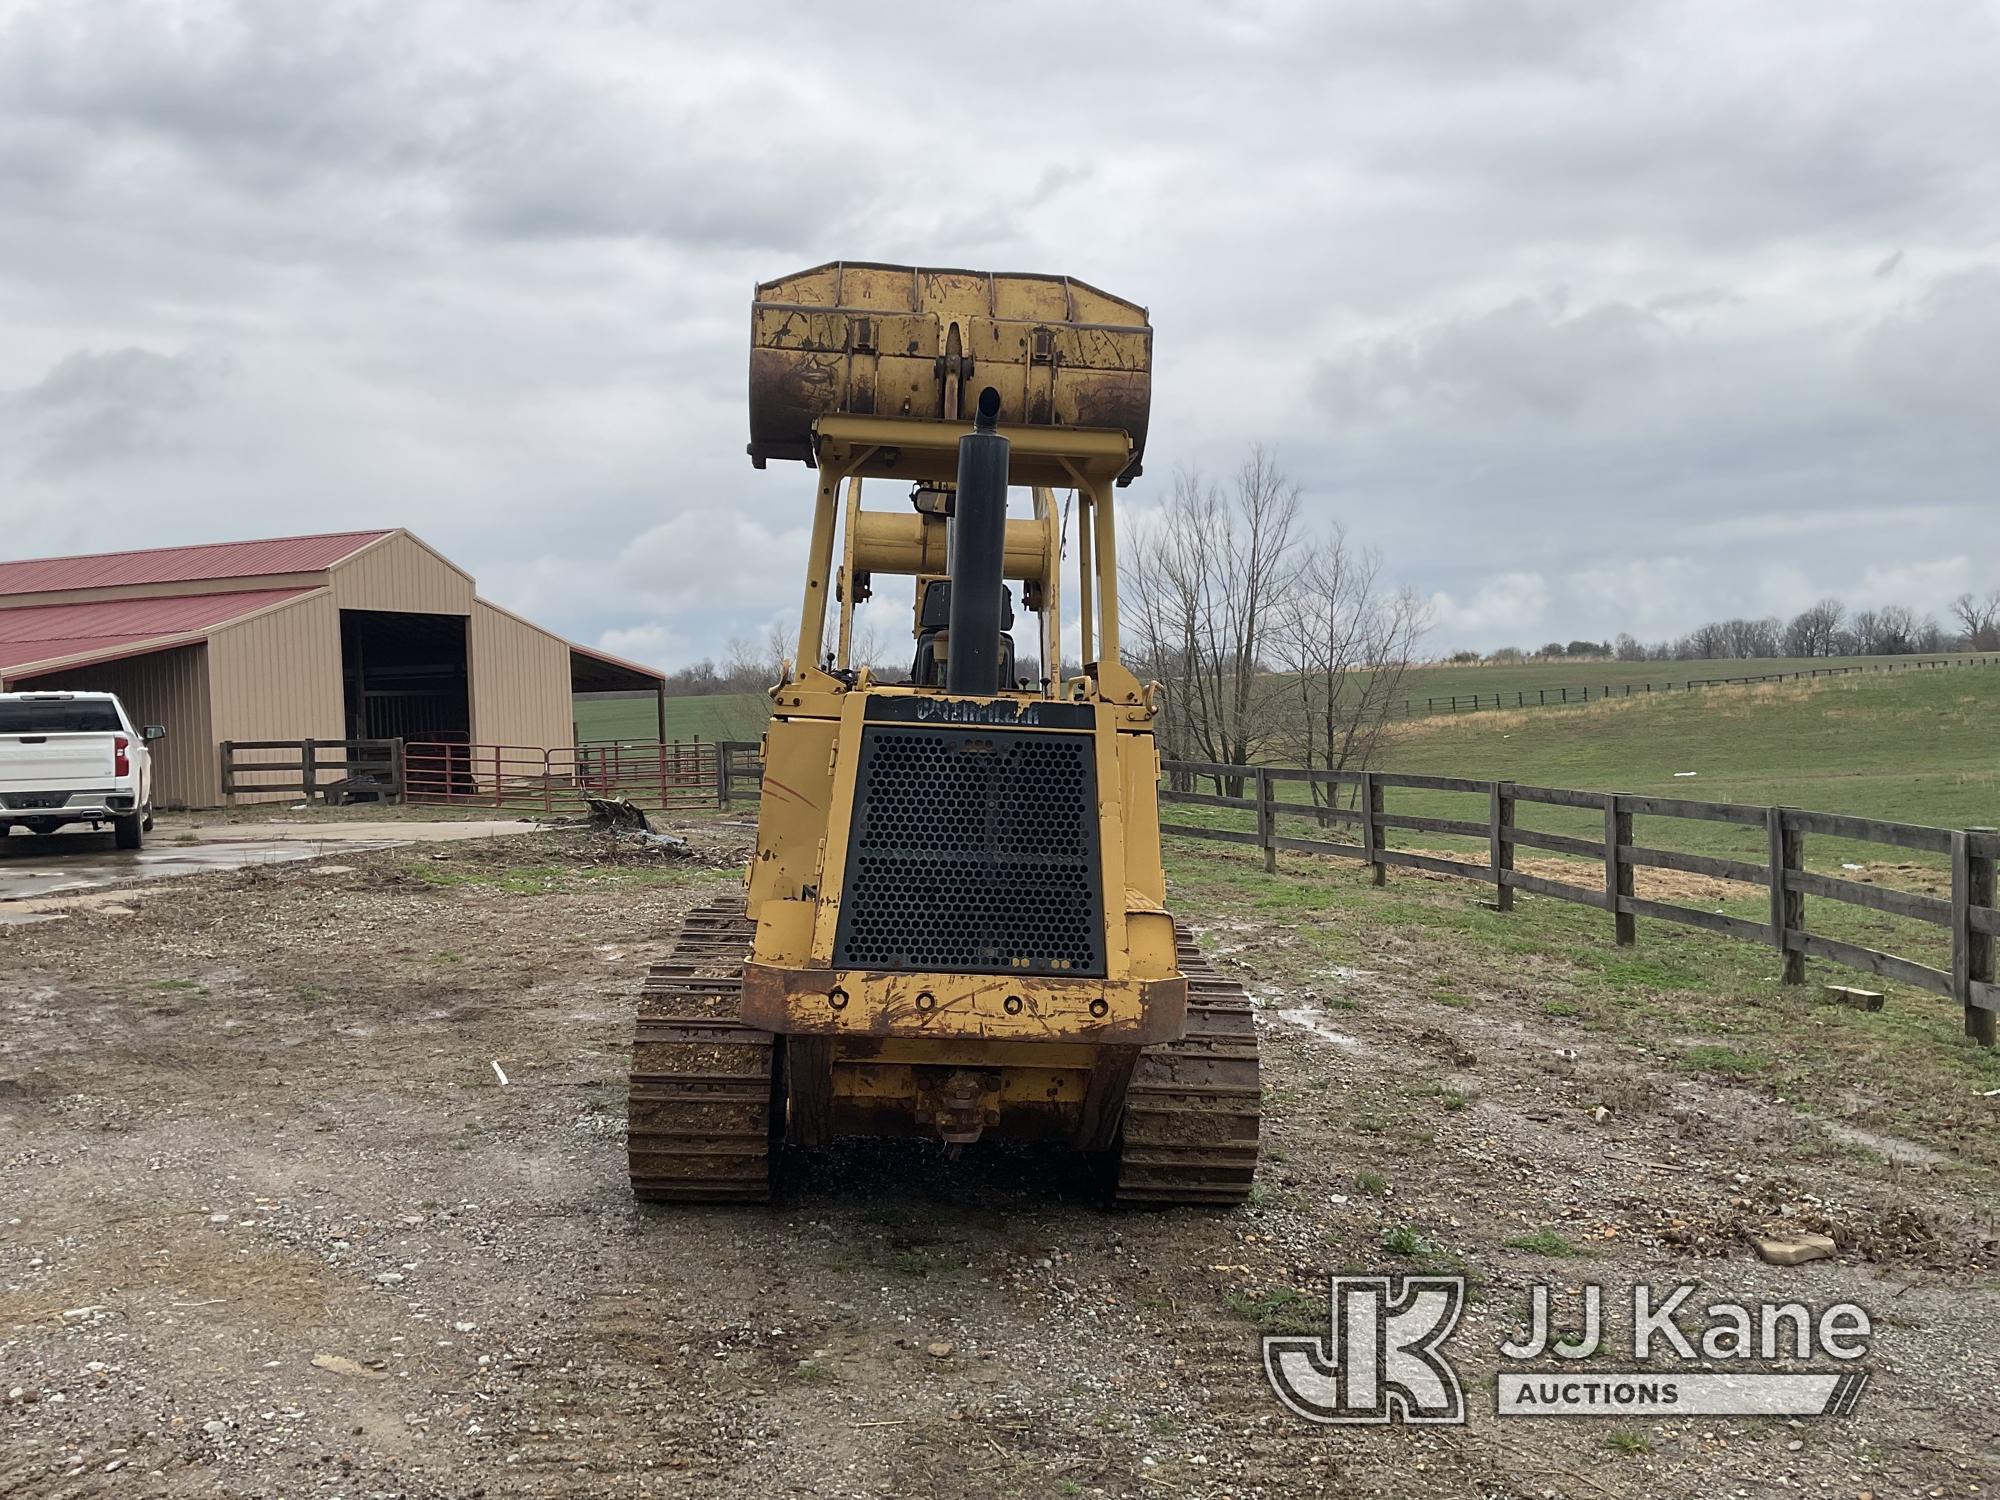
(129, 831)
(146, 824)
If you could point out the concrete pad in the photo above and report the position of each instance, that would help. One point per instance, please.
(14, 915)
(40, 873)
(58, 866)
(385, 830)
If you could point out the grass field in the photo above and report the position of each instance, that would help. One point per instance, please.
(741, 715)
(719, 716)
(1916, 747)
(1530, 677)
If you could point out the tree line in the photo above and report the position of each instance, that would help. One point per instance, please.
(1827, 629)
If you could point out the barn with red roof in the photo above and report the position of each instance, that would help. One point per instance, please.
(349, 635)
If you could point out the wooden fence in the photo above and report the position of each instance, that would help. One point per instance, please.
(1556, 697)
(315, 768)
(1969, 915)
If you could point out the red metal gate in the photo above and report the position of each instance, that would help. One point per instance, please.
(658, 775)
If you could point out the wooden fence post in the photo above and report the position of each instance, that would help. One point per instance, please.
(1617, 873)
(1267, 822)
(1369, 803)
(721, 775)
(308, 768)
(1972, 957)
(1500, 847)
(229, 773)
(399, 775)
(1788, 907)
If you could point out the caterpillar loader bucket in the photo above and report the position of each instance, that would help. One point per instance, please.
(857, 339)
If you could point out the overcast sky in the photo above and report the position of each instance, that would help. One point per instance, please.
(1590, 316)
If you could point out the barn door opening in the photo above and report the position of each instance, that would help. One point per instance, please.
(405, 676)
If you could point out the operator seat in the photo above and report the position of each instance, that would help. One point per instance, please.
(934, 635)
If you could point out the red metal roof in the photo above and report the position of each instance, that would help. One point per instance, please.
(291, 554)
(55, 632)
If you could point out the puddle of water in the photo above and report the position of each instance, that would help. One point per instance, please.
(1890, 1147)
(1307, 1018)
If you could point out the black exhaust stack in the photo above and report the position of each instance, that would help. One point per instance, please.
(978, 549)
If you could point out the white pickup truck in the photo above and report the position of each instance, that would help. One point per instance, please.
(75, 758)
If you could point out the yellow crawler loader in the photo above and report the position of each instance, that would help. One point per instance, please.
(955, 924)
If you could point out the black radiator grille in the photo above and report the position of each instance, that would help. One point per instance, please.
(973, 851)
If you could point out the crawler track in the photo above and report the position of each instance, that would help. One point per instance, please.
(1190, 1132)
(699, 1106)
(702, 1104)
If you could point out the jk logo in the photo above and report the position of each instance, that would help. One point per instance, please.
(1381, 1362)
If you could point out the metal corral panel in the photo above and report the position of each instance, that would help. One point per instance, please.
(166, 687)
(401, 573)
(276, 676)
(520, 682)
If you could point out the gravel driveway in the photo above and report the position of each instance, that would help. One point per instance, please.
(273, 1225)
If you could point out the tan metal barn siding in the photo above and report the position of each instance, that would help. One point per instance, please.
(400, 573)
(520, 682)
(164, 687)
(276, 676)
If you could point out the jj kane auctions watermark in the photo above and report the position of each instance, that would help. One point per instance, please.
(1384, 1360)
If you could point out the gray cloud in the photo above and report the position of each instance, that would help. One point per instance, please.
(1533, 357)
(99, 408)
(1939, 355)
(136, 379)
(1525, 292)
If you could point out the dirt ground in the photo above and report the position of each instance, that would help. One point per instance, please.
(272, 1224)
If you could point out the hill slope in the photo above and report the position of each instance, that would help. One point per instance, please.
(1917, 747)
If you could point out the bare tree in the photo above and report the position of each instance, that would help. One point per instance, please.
(1981, 619)
(1343, 648)
(1708, 642)
(1202, 583)
(1748, 638)
(755, 666)
(695, 681)
(750, 669)
(1815, 631)
(1896, 629)
(865, 647)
